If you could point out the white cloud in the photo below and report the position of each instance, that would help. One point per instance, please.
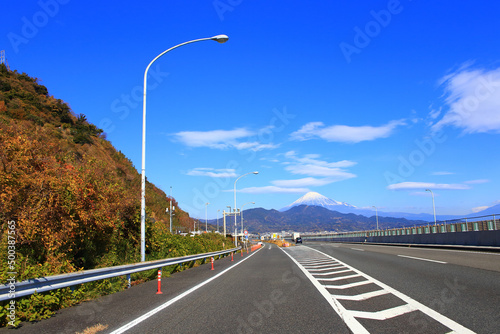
(222, 139)
(443, 173)
(479, 208)
(426, 185)
(211, 172)
(314, 170)
(477, 181)
(304, 182)
(272, 190)
(310, 165)
(344, 133)
(254, 146)
(435, 113)
(472, 99)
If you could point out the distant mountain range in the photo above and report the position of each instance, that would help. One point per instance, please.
(314, 212)
(311, 218)
(316, 199)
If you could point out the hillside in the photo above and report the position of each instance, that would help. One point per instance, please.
(74, 198)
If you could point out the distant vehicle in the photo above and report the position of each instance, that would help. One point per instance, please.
(295, 236)
(298, 240)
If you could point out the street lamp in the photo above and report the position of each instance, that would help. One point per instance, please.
(218, 38)
(225, 220)
(206, 219)
(376, 214)
(242, 216)
(235, 241)
(170, 209)
(433, 205)
(218, 221)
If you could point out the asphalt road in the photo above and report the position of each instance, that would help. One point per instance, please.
(463, 286)
(376, 289)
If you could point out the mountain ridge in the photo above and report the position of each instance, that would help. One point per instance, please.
(311, 218)
(316, 199)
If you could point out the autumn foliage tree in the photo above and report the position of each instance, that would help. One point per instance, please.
(74, 197)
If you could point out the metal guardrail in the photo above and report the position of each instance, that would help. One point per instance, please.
(49, 283)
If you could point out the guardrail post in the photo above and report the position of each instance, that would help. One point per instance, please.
(159, 283)
(128, 281)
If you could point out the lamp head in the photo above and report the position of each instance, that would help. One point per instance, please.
(256, 172)
(220, 38)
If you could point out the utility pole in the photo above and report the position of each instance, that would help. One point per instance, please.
(170, 209)
(3, 60)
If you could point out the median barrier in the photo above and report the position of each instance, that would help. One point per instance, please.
(465, 232)
(255, 247)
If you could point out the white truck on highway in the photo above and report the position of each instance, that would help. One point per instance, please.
(295, 235)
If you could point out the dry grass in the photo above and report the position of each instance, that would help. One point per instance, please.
(94, 329)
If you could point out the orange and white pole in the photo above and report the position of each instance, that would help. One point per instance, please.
(159, 283)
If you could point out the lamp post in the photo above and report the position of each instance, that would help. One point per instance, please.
(218, 38)
(206, 218)
(433, 205)
(235, 242)
(242, 216)
(376, 214)
(225, 220)
(218, 221)
(170, 209)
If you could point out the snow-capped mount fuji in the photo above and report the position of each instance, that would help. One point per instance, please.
(315, 199)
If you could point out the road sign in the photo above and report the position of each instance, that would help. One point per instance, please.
(246, 232)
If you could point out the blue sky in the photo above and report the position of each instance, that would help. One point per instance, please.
(365, 102)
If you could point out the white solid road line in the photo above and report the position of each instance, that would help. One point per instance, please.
(363, 296)
(340, 278)
(422, 259)
(385, 314)
(179, 297)
(333, 272)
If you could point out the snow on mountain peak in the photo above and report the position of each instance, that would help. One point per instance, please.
(316, 199)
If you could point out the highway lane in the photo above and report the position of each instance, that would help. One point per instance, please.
(463, 286)
(469, 258)
(266, 294)
(276, 290)
(263, 292)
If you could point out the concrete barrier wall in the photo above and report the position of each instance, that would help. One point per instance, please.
(471, 238)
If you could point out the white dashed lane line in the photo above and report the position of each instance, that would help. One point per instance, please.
(422, 259)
